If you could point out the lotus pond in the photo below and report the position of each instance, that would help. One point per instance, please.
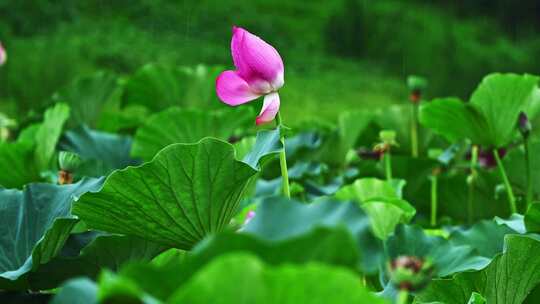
(178, 185)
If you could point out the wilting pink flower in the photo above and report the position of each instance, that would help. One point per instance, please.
(259, 72)
(3, 54)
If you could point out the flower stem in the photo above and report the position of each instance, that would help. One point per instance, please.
(433, 200)
(388, 165)
(528, 172)
(283, 160)
(511, 197)
(414, 131)
(402, 297)
(471, 180)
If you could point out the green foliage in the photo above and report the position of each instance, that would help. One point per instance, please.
(219, 282)
(100, 152)
(447, 259)
(18, 159)
(508, 279)
(159, 87)
(176, 125)
(36, 226)
(532, 218)
(103, 251)
(382, 202)
(489, 118)
(48, 134)
(280, 219)
(122, 79)
(87, 98)
(185, 193)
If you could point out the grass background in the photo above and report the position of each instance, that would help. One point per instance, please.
(340, 55)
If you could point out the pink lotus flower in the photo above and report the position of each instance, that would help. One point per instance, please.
(259, 72)
(3, 54)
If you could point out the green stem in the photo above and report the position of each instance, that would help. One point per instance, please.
(283, 159)
(470, 203)
(511, 197)
(528, 172)
(470, 182)
(414, 131)
(402, 297)
(433, 200)
(388, 165)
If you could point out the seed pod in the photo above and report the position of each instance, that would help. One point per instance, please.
(68, 161)
(388, 137)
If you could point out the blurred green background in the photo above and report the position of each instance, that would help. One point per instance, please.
(339, 55)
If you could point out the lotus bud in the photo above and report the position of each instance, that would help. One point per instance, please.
(524, 125)
(410, 273)
(416, 86)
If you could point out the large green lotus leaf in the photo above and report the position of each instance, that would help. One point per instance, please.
(101, 152)
(78, 258)
(366, 189)
(455, 120)
(350, 126)
(385, 214)
(453, 197)
(158, 87)
(532, 218)
(491, 116)
(267, 143)
(88, 97)
(232, 278)
(323, 245)
(124, 120)
(508, 279)
(446, 257)
(242, 278)
(382, 202)
(417, 173)
(48, 134)
(201, 89)
(176, 125)
(330, 246)
(256, 151)
(185, 193)
(486, 236)
(35, 224)
(281, 219)
(515, 222)
(17, 163)
(302, 144)
(514, 164)
(500, 98)
(77, 291)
